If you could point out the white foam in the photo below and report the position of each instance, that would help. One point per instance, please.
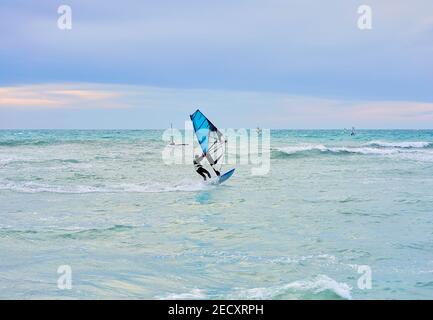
(302, 148)
(193, 294)
(31, 187)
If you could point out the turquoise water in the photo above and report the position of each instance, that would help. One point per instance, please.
(129, 226)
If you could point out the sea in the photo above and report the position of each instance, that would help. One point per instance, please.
(97, 214)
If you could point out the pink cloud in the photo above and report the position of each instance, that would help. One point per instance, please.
(58, 96)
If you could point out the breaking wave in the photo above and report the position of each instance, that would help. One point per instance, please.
(401, 144)
(320, 287)
(369, 148)
(293, 150)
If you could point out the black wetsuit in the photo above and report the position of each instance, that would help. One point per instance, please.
(200, 170)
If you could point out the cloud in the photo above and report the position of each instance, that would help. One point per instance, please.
(27, 102)
(59, 96)
(93, 105)
(85, 94)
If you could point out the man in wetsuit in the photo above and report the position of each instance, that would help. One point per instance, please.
(199, 168)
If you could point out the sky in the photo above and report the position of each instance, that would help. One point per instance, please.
(140, 64)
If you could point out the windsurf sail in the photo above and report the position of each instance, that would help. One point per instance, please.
(211, 140)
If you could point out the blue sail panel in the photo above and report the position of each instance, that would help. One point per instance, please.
(202, 127)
